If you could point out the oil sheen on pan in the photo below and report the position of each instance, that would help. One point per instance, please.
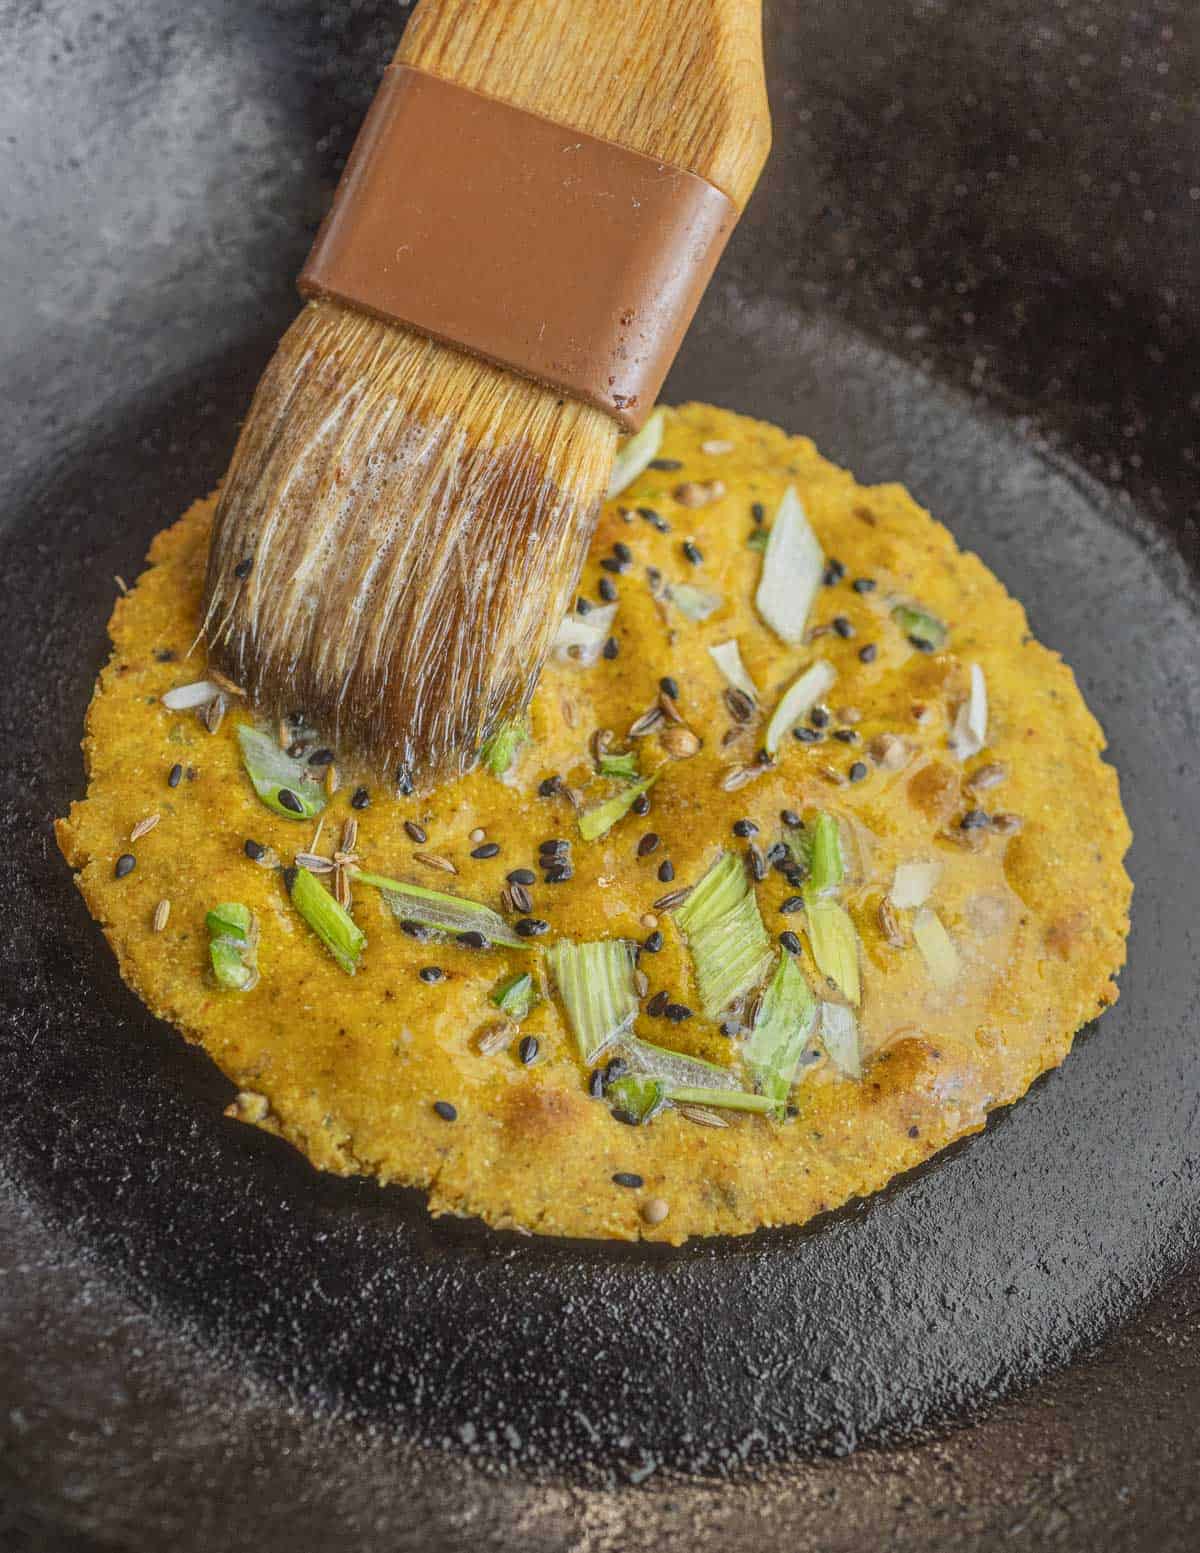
(805, 859)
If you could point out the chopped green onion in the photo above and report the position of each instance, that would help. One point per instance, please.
(446, 913)
(233, 945)
(919, 623)
(792, 570)
(759, 540)
(624, 766)
(834, 942)
(580, 639)
(332, 923)
(515, 995)
(499, 750)
(675, 1068)
(635, 454)
(969, 734)
(937, 948)
(725, 934)
(913, 884)
(600, 818)
(730, 1099)
(839, 1037)
(797, 701)
(728, 658)
(638, 1095)
(595, 982)
(696, 603)
(274, 772)
(826, 866)
(783, 1024)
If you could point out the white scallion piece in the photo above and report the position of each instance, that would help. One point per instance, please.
(580, 639)
(913, 884)
(728, 658)
(595, 982)
(635, 453)
(696, 603)
(969, 734)
(184, 697)
(797, 701)
(937, 948)
(839, 1036)
(793, 566)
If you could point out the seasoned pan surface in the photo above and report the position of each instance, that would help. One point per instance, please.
(1018, 354)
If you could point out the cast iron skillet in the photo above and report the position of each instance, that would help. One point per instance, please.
(969, 271)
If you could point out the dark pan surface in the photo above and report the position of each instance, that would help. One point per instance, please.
(1040, 297)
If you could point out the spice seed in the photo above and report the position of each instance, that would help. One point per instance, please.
(532, 927)
(647, 844)
(868, 653)
(702, 1116)
(404, 781)
(559, 873)
(416, 832)
(125, 864)
(991, 775)
(431, 974)
(445, 1110)
(596, 1083)
(648, 920)
(473, 939)
(677, 1012)
(432, 860)
(253, 849)
(289, 801)
(843, 626)
(161, 912)
(793, 903)
(692, 552)
(550, 786)
(679, 742)
(488, 849)
(494, 1038)
(672, 899)
(791, 819)
(646, 723)
(360, 799)
(745, 828)
(669, 687)
(641, 805)
(653, 943)
(521, 876)
(627, 1178)
(175, 775)
(611, 648)
(528, 1049)
(608, 590)
(656, 1210)
(657, 1004)
(641, 983)
(521, 899)
(143, 827)
(789, 941)
(806, 735)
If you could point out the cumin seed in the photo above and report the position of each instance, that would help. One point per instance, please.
(143, 828)
(432, 860)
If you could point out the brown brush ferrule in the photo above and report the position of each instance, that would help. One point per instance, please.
(559, 256)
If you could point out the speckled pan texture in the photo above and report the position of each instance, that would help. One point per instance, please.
(970, 269)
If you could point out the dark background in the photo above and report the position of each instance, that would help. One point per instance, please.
(1003, 198)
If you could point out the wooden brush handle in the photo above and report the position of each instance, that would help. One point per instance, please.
(678, 80)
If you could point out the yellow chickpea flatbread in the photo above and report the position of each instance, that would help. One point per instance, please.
(866, 941)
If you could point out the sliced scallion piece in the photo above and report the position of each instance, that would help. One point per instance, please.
(284, 785)
(230, 920)
(499, 750)
(725, 934)
(332, 924)
(229, 968)
(782, 1026)
(913, 884)
(446, 913)
(675, 1068)
(969, 734)
(793, 566)
(600, 818)
(515, 995)
(834, 942)
(797, 701)
(638, 1095)
(233, 946)
(696, 603)
(920, 626)
(731, 1099)
(839, 1037)
(826, 865)
(937, 948)
(595, 982)
(728, 658)
(635, 454)
(624, 766)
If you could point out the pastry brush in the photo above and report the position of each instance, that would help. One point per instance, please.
(536, 200)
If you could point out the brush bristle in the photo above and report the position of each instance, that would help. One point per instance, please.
(400, 533)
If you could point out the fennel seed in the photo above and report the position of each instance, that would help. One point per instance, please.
(987, 776)
(679, 742)
(741, 708)
(668, 707)
(161, 912)
(673, 898)
(213, 715)
(889, 924)
(432, 860)
(143, 828)
(495, 1037)
(646, 723)
(702, 1116)
(226, 684)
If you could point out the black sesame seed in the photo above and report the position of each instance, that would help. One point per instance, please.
(627, 1118)
(431, 973)
(321, 757)
(664, 464)
(528, 1049)
(253, 849)
(361, 798)
(677, 1012)
(653, 942)
(416, 832)
(921, 644)
(777, 852)
(404, 781)
(485, 850)
(758, 864)
(834, 572)
(596, 1083)
(641, 804)
(627, 1178)
(242, 569)
(658, 1004)
(806, 735)
(164, 655)
(868, 653)
(583, 606)
(669, 687)
(653, 518)
(791, 1112)
(559, 873)
(610, 648)
(791, 819)
(555, 846)
(863, 585)
(611, 564)
(974, 819)
(473, 939)
(843, 626)
(125, 864)
(857, 771)
(653, 576)
(666, 871)
(819, 717)
(614, 1068)
(622, 552)
(692, 552)
(789, 941)
(795, 874)
(549, 786)
(521, 876)
(758, 512)
(647, 844)
(532, 927)
(845, 735)
(914, 1132)
(289, 801)
(607, 590)
(416, 930)
(175, 775)
(289, 879)
(745, 828)
(445, 1110)
(792, 904)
